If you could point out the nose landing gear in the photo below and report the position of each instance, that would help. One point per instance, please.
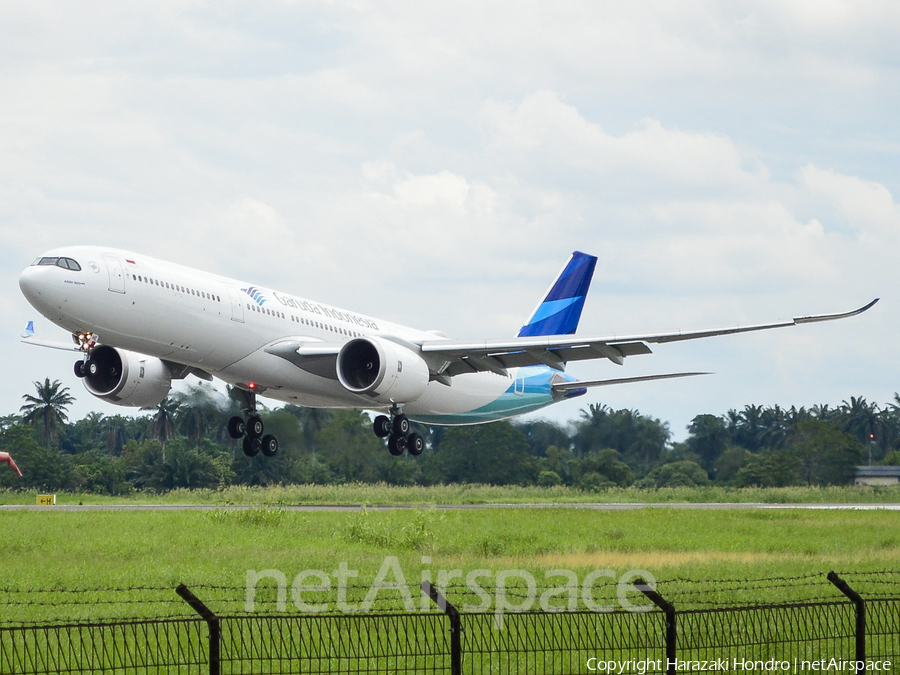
(87, 367)
(252, 431)
(396, 430)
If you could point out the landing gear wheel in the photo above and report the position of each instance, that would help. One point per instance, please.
(382, 426)
(269, 445)
(396, 444)
(415, 444)
(91, 368)
(236, 427)
(251, 446)
(401, 425)
(79, 369)
(254, 426)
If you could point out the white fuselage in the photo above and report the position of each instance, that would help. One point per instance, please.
(223, 327)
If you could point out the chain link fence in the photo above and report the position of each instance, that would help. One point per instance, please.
(206, 629)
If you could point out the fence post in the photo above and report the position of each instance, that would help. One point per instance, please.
(860, 619)
(455, 626)
(671, 630)
(212, 621)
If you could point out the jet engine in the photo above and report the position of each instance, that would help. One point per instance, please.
(383, 370)
(126, 378)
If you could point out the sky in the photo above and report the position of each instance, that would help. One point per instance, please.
(435, 164)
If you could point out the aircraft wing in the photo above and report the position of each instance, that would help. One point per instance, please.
(556, 350)
(28, 337)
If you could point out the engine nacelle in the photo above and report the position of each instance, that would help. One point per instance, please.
(127, 378)
(383, 370)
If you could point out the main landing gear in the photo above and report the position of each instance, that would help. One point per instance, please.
(252, 431)
(396, 429)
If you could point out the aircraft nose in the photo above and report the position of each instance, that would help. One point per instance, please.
(33, 283)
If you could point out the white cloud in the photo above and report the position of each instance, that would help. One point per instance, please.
(435, 164)
(551, 134)
(867, 206)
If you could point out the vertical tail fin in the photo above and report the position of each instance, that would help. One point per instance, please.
(560, 310)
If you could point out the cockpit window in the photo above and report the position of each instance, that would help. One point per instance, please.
(65, 263)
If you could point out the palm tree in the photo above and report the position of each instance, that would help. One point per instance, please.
(49, 407)
(199, 410)
(161, 424)
(823, 413)
(860, 418)
(751, 428)
(774, 426)
(709, 438)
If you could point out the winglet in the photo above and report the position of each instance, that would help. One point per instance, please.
(560, 310)
(29, 331)
(830, 317)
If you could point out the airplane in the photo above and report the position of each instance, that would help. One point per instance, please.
(139, 323)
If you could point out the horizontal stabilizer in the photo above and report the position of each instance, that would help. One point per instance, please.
(566, 386)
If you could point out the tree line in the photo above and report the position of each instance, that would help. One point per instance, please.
(183, 443)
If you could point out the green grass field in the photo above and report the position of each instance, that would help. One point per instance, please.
(91, 550)
(361, 493)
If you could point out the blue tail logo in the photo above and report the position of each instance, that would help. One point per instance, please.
(560, 310)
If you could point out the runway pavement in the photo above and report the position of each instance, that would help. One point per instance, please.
(391, 507)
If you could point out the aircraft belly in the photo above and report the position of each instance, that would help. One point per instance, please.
(467, 392)
(484, 397)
